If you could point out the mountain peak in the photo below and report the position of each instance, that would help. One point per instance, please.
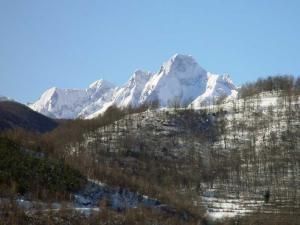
(100, 83)
(48, 93)
(182, 65)
(178, 56)
(140, 75)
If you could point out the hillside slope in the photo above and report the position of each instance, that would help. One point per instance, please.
(15, 115)
(230, 154)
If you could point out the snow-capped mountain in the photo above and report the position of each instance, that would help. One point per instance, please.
(180, 79)
(70, 103)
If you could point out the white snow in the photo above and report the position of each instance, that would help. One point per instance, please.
(219, 208)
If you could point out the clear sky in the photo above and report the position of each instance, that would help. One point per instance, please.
(72, 43)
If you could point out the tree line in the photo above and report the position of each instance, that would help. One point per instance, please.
(285, 83)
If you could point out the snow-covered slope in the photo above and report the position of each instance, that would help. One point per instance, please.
(180, 81)
(101, 94)
(69, 103)
(124, 96)
(130, 93)
(217, 88)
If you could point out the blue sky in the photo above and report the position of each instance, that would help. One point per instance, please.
(70, 44)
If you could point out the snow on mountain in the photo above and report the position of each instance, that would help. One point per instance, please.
(61, 103)
(97, 89)
(69, 103)
(99, 106)
(217, 88)
(179, 80)
(130, 93)
(124, 96)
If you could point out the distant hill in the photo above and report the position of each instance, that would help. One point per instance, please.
(4, 98)
(16, 115)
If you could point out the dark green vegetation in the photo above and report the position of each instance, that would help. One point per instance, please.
(29, 173)
(15, 115)
(246, 149)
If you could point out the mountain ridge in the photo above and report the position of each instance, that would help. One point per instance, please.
(180, 79)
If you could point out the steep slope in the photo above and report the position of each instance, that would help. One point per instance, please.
(180, 81)
(61, 103)
(217, 88)
(180, 78)
(130, 93)
(100, 95)
(16, 115)
(127, 95)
